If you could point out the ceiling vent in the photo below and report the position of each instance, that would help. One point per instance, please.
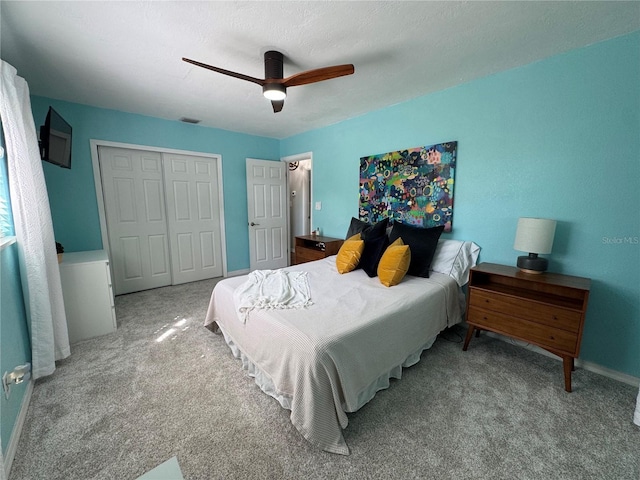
(190, 120)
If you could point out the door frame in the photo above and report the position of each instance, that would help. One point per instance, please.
(297, 158)
(286, 210)
(97, 179)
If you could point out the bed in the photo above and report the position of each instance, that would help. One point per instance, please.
(331, 357)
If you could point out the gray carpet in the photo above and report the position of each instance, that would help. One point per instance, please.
(124, 403)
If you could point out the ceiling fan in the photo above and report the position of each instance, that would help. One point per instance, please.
(274, 87)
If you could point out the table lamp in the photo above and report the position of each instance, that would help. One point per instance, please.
(535, 236)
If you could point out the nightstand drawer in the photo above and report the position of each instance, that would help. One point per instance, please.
(315, 247)
(537, 312)
(308, 255)
(542, 335)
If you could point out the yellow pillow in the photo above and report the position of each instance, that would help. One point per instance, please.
(394, 263)
(349, 254)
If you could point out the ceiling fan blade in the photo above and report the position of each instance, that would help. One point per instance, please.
(318, 75)
(277, 105)
(259, 81)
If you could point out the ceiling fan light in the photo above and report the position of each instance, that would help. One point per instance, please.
(274, 91)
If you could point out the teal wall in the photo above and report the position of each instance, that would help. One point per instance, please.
(559, 138)
(15, 348)
(72, 195)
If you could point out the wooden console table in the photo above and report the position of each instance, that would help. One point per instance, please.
(546, 310)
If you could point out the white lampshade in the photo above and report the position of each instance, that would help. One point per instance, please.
(274, 91)
(535, 235)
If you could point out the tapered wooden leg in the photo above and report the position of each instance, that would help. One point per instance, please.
(567, 363)
(468, 337)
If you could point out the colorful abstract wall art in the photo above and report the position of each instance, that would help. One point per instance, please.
(414, 186)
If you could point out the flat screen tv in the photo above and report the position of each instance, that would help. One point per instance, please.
(55, 140)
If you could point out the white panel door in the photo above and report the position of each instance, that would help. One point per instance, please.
(267, 208)
(133, 190)
(193, 214)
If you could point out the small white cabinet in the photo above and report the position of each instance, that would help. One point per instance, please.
(88, 294)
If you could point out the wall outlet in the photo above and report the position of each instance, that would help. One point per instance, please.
(19, 375)
(318, 205)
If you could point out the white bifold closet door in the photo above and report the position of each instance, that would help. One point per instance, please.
(193, 217)
(163, 217)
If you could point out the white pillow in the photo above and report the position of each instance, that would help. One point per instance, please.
(455, 258)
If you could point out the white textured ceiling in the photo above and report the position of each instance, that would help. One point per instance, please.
(127, 55)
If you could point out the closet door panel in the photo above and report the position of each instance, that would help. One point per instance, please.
(193, 215)
(134, 200)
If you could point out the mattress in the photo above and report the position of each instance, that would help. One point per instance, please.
(329, 358)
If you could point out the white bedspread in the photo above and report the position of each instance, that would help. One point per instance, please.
(330, 358)
(268, 289)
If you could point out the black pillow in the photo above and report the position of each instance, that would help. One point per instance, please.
(422, 242)
(375, 243)
(358, 226)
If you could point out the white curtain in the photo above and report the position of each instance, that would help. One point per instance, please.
(34, 230)
(636, 416)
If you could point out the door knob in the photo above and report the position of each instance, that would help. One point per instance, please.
(254, 224)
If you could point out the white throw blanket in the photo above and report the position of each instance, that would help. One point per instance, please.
(272, 289)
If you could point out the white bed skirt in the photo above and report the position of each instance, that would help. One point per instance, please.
(345, 347)
(382, 382)
(636, 416)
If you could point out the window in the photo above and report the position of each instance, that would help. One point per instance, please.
(6, 218)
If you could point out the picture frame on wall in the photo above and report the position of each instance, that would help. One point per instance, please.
(413, 186)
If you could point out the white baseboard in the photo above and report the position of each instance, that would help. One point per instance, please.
(236, 273)
(12, 448)
(590, 366)
(607, 372)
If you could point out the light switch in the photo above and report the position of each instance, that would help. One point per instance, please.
(318, 205)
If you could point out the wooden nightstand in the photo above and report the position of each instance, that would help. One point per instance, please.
(315, 247)
(546, 310)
